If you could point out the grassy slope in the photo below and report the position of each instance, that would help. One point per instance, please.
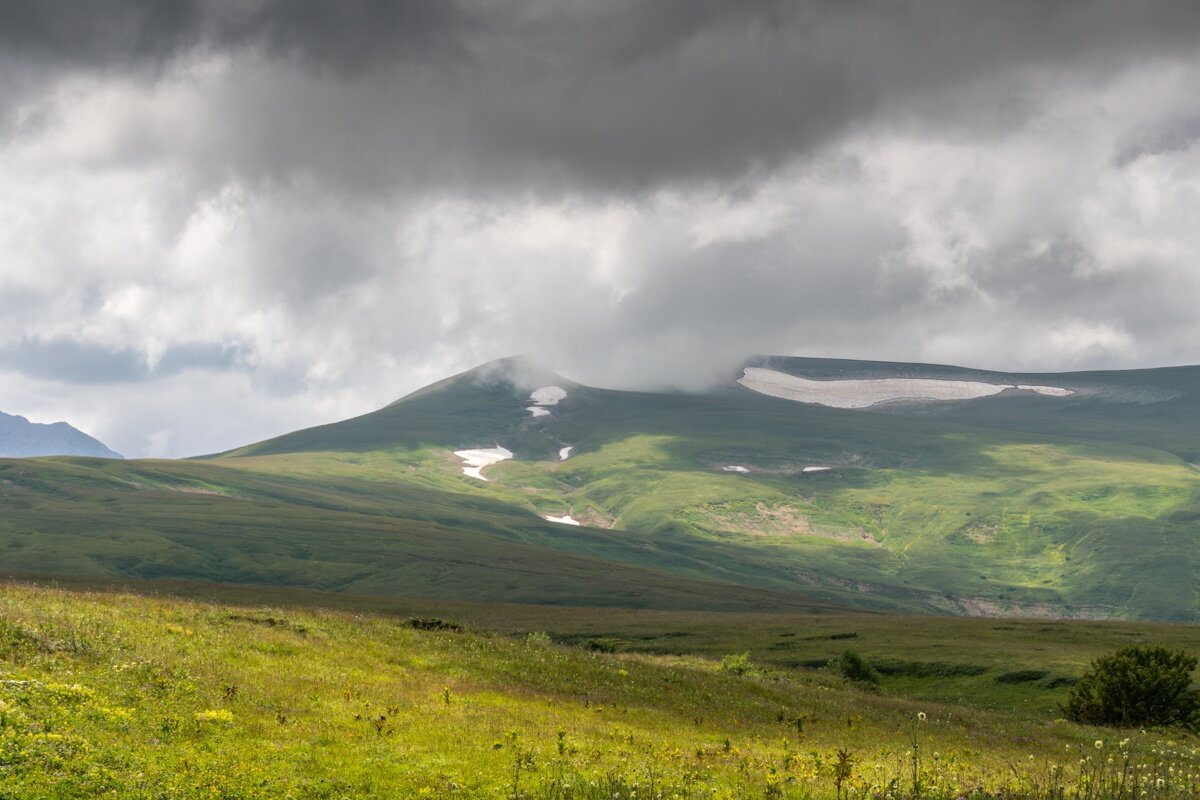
(151, 697)
(1018, 505)
(1151, 407)
(1003, 518)
(203, 522)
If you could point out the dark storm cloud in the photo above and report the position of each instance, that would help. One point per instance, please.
(348, 35)
(565, 96)
(101, 34)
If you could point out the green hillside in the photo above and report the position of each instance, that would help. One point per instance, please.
(1015, 504)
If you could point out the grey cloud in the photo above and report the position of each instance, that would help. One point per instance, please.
(1172, 137)
(698, 312)
(355, 35)
(102, 34)
(346, 35)
(562, 97)
(77, 362)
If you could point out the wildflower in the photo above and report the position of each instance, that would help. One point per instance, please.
(921, 716)
(1099, 744)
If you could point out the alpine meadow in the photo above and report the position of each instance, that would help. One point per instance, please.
(608, 400)
(355, 589)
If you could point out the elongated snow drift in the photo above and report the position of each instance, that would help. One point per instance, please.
(864, 393)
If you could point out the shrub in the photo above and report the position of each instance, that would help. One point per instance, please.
(599, 645)
(856, 669)
(433, 624)
(538, 639)
(737, 663)
(1135, 686)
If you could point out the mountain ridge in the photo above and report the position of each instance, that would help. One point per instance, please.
(1015, 503)
(20, 438)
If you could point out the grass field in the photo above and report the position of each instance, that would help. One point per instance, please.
(104, 693)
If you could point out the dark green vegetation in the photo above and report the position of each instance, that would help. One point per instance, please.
(113, 694)
(857, 669)
(1135, 687)
(1023, 505)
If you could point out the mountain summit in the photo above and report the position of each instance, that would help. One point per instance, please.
(20, 438)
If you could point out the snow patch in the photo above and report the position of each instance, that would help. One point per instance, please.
(815, 469)
(565, 453)
(548, 395)
(476, 460)
(735, 468)
(865, 393)
(565, 519)
(538, 411)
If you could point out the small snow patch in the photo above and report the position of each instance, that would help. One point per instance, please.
(538, 411)
(476, 460)
(565, 453)
(565, 519)
(735, 468)
(815, 469)
(548, 395)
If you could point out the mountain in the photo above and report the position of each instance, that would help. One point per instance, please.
(795, 483)
(20, 438)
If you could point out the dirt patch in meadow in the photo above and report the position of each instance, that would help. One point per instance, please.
(773, 521)
(980, 532)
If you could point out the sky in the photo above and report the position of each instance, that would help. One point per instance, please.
(221, 221)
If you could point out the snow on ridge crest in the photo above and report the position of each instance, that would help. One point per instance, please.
(863, 393)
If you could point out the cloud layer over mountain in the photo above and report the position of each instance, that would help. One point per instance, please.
(225, 220)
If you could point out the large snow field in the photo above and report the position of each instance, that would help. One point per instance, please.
(863, 393)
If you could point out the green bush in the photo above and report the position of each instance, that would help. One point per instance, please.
(538, 639)
(433, 624)
(1136, 686)
(857, 669)
(599, 645)
(737, 663)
